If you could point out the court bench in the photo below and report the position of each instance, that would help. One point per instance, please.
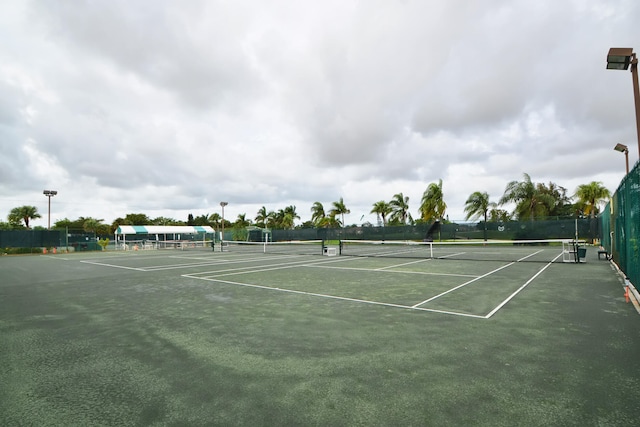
(602, 251)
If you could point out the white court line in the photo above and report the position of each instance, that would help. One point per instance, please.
(213, 262)
(313, 294)
(112, 266)
(404, 263)
(268, 267)
(450, 255)
(535, 253)
(462, 285)
(371, 270)
(510, 297)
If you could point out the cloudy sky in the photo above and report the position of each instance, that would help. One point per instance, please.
(169, 107)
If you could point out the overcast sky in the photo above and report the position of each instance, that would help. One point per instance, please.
(169, 107)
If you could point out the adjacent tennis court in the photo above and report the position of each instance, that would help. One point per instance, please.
(189, 336)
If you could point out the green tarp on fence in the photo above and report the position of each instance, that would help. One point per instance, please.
(621, 226)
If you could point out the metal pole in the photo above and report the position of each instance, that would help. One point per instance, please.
(223, 204)
(626, 157)
(636, 95)
(49, 223)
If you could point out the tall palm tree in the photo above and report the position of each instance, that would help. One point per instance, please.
(161, 220)
(290, 215)
(530, 201)
(215, 219)
(591, 195)
(23, 213)
(400, 208)
(242, 220)
(561, 202)
(317, 213)
(433, 206)
(272, 220)
(261, 217)
(499, 215)
(478, 205)
(339, 208)
(91, 225)
(328, 221)
(381, 209)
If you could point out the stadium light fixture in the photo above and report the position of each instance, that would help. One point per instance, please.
(623, 149)
(623, 58)
(49, 194)
(223, 204)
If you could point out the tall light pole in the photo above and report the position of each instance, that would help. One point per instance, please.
(620, 58)
(223, 204)
(49, 194)
(623, 149)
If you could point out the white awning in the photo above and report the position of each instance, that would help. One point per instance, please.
(163, 229)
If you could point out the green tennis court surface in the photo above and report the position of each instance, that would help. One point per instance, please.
(170, 337)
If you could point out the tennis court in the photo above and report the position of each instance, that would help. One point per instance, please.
(196, 337)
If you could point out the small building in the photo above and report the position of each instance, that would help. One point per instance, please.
(162, 236)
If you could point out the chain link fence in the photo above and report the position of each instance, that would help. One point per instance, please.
(620, 223)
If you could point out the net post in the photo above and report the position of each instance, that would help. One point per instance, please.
(340, 247)
(322, 247)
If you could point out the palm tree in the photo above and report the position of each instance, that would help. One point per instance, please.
(261, 217)
(400, 209)
(382, 209)
(339, 208)
(591, 195)
(433, 206)
(317, 213)
(478, 205)
(290, 215)
(561, 202)
(329, 221)
(161, 220)
(216, 220)
(23, 213)
(499, 215)
(530, 201)
(91, 225)
(242, 221)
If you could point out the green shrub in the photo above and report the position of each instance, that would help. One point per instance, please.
(103, 243)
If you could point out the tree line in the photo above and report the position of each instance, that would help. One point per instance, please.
(532, 201)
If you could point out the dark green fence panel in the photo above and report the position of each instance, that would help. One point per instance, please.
(620, 224)
(30, 238)
(587, 229)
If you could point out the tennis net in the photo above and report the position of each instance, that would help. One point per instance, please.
(294, 247)
(183, 245)
(503, 251)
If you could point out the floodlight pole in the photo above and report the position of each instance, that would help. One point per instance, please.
(49, 194)
(223, 204)
(621, 59)
(636, 95)
(623, 149)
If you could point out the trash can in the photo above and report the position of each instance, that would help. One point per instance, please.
(582, 253)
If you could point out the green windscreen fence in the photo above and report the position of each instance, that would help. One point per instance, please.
(620, 224)
(79, 240)
(30, 238)
(584, 228)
